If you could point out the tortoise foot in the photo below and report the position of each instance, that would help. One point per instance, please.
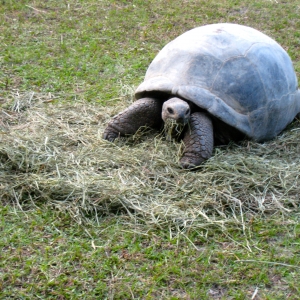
(190, 161)
(198, 140)
(143, 112)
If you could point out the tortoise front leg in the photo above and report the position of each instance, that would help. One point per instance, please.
(198, 140)
(143, 112)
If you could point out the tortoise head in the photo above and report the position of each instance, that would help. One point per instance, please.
(175, 114)
(177, 110)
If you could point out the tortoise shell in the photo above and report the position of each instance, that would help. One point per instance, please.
(236, 73)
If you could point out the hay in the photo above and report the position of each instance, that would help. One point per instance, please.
(172, 130)
(54, 154)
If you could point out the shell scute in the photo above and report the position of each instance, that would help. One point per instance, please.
(238, 83)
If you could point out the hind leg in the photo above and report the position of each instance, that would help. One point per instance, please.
(198, 140)
(143, 112)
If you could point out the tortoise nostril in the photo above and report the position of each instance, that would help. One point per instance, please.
(170, 110)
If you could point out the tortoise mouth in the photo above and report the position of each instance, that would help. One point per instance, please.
(173, 129)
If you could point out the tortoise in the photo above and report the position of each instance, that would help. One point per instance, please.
(220, 82)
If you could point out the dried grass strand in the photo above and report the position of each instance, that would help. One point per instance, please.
(54, 154)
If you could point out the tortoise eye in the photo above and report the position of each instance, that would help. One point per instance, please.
(187, 112)
(170, 110)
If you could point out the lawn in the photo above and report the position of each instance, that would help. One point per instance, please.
(82, 218)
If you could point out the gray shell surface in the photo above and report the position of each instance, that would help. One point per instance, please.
(236, 73)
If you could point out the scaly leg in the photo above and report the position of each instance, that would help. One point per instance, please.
(143, 112)
(198, 140)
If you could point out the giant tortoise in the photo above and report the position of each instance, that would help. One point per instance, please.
(221, 83)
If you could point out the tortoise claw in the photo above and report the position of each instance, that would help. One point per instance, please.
(191, 161)
(110, 135)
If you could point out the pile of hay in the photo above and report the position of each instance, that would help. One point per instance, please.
(54, 153)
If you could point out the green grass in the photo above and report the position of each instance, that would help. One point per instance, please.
(45, 254)
(97, 51)
(88, 50)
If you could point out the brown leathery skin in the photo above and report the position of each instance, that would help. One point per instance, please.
(198, 141)
(143, 112)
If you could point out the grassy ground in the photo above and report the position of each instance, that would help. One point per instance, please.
(193, 238)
